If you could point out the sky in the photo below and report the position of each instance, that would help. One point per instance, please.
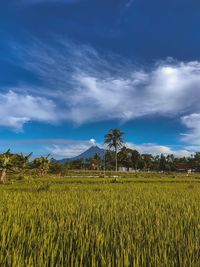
(72, 69)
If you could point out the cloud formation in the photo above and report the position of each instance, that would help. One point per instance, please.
(156, 149)
(72, 149)
(168, 90)
(76, 147)
(192, 122)
(88, 87)
(18, 109)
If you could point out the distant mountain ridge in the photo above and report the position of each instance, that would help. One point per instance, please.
(89, 153)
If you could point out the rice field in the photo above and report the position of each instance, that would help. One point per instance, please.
(100, 222)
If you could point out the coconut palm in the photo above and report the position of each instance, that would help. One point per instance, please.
(115, 141)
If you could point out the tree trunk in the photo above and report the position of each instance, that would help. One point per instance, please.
(3, 176)
(116, 167)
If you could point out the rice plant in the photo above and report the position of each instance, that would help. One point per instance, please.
(107, 224)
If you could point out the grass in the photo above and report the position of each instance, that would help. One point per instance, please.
(131, 221)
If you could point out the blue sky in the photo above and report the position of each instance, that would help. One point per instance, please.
(72, 69)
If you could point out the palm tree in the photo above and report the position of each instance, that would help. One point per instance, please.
(115, 141)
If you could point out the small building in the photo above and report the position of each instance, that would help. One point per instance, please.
(182, 167)
(123, 169)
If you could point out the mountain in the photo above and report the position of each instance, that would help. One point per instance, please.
(86, 155)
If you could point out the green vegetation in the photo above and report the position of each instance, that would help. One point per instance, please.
(116, 157)
(79, 214)
(114, 140)
(138, 220)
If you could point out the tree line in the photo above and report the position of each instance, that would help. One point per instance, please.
(117, 157)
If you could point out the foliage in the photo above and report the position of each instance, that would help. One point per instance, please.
(42, 164)
(5, 164)
(118, 154)
(76, 164)
(114, 140)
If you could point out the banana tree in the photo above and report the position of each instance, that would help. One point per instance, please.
(21, 163)
(42, 164)
(5, 165)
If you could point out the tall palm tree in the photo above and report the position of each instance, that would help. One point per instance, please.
(115, 141)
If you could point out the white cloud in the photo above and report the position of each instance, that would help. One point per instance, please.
(156, 149)
(192, 122)
(92, 141)
(74, 148)
(167, 90)
(88, 87)
(17, 109)
(96, 89)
